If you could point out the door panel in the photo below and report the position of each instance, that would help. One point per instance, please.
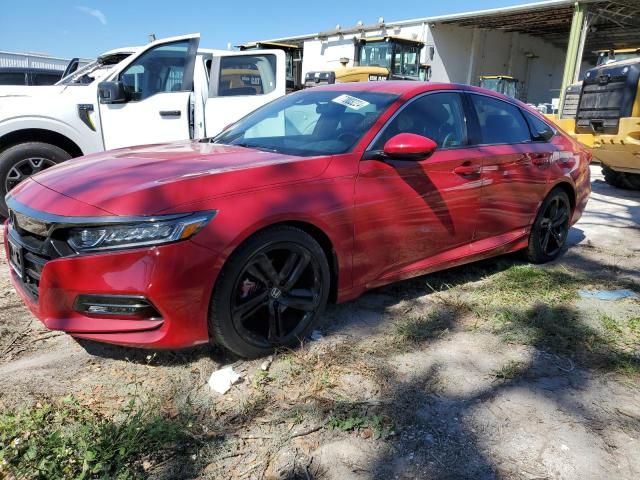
(240, 82)
(159, 84)
(514, 168)
(407, 211)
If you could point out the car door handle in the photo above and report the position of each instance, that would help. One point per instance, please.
(467, 170)
(169, 113)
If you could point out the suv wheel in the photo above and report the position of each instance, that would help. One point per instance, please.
(19, 162)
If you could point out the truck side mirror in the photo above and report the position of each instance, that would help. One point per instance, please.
(112, 92)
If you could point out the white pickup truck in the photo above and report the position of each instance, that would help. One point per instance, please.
(167, 90)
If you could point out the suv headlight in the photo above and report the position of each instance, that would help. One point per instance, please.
(155, 231)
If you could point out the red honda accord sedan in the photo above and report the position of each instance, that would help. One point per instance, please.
(242, 239)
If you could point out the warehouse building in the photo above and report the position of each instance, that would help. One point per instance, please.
(31, 68)
(545, 45)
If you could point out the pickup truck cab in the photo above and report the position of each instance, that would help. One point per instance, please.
(168, 90)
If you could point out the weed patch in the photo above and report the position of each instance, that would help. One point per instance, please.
(418, 329)
(66, 440)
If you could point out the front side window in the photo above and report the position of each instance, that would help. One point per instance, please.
(500, 122)
(161, 69)
(438, 116)
(247, 75)
(309, 122)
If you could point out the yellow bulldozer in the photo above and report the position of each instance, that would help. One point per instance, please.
(603, 113)
(376, 59)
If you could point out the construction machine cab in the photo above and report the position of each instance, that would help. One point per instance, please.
(616, 55)
(375, 59)
(503, 84)
(293, 56)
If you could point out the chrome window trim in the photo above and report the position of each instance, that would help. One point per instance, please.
(409, 102)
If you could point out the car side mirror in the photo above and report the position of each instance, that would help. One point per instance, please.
(112, 92)
(409, 146)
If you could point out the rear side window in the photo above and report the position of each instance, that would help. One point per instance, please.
(12, 78)
(247, 75)
(45, 78)
(438, 116)
(500, 122)
(540, 131)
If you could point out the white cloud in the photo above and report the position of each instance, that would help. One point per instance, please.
(94, 12)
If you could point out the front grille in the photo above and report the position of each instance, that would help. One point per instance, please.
(30, 250)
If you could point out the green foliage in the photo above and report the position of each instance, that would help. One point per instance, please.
(352, 421)
(66, 440)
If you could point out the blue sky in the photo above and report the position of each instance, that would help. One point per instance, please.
(85, 28)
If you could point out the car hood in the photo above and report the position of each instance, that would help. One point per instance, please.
(167, 178)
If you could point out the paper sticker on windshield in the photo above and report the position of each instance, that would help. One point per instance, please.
(352, 102)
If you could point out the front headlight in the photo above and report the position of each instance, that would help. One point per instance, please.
(155, 231)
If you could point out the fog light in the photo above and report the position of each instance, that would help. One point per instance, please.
(127, 306)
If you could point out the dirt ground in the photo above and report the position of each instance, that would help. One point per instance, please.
(436, 377)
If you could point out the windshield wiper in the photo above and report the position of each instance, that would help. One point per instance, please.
(255, 147)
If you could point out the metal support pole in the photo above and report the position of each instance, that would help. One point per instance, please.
(473, 51)
(573, 48)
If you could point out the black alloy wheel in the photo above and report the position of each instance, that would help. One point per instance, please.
(270, 293)
(551, 228)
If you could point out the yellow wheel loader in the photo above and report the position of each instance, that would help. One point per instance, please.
(503, 84)
(375, 59)
(566, 117)
(608, 120)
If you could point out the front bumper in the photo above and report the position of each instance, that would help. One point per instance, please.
(177, 279)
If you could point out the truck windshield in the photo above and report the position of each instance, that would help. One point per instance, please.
(376, 54)
(406, 60)
(309, 122)
(94, 70)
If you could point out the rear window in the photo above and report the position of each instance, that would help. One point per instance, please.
(12, 78)
(247, 75)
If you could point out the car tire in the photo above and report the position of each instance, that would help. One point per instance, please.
(613, 178)
(550, 228)
(23, 160)
(631, 181)
(255, 307)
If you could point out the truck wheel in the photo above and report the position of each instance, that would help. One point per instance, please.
(19, 162)
(613, 178)
(631, 180)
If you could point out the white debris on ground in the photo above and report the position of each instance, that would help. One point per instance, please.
(221, 380)
(266, 364)
(315, 335)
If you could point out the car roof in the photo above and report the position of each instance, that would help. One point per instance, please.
(398, 87)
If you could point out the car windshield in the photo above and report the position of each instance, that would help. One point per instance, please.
(309, 122)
